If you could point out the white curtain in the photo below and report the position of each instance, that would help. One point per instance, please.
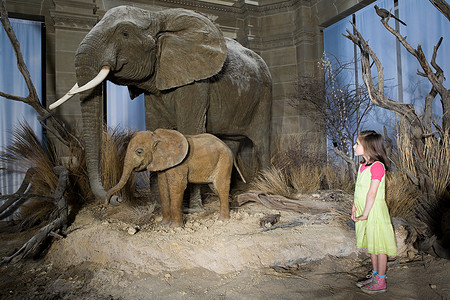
(12, 82)
(122, 112)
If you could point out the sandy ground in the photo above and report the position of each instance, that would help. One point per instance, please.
(123, 253)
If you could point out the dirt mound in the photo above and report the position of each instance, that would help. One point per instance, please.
(124, 253)
(118, 238)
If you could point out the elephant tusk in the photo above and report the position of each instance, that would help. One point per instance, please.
(75, 89)
(64, 98)
(94, 82)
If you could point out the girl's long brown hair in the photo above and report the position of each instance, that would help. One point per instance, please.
(373, 144)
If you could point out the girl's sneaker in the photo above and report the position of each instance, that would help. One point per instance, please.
(378, 285)
(366, 280)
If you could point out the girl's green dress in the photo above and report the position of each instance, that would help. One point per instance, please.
(375, 233)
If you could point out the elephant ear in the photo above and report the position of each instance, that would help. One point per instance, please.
(190, 48)
(171, 147)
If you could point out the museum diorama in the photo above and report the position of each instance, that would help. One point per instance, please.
(217, 149)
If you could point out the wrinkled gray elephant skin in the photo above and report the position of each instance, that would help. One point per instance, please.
(194, 79)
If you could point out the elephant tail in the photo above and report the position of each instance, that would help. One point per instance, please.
(239, 171)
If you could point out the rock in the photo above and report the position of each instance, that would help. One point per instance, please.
(131, 230)
(401, 230)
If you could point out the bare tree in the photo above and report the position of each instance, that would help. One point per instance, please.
(341, 105)
(420, 126)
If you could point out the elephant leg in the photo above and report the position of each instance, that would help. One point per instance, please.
(177, 186)
(222, 189)
(195, 199)
(154, 189)
(191, 107)
(165, 199)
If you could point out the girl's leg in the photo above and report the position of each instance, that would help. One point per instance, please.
(374, 259)
(381, 263)
(378, 284)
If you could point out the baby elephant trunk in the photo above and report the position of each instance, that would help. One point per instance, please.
(123, 180)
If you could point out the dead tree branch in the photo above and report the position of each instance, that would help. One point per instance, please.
(59, 218)
(443, 7)
(33, 98)
(435, 78)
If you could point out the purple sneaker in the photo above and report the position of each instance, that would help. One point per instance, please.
(378, 285)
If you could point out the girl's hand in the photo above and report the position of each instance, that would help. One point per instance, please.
(354, 212)
(361, 218)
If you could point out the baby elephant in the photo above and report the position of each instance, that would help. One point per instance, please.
(179, 159)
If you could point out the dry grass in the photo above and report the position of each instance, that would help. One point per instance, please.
(437, 153)
(306, 179)
(138, 215)
(401, 195)
(404, 158)
(114, 147)
(297, 169)
(338, 178)
(272, 181)
(25, 151)
(437, 156)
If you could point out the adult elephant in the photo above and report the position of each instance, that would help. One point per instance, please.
(194, 79)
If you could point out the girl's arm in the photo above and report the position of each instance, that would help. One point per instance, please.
(370, 199)
(354, 212)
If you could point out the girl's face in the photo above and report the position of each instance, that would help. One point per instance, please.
(359, 149)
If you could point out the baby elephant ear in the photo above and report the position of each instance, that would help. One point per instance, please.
(171, 147)
(190, 47)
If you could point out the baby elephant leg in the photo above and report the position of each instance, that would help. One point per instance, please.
(222, 189)
(177, 186)
(165, 199)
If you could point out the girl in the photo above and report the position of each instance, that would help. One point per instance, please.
(373, 224)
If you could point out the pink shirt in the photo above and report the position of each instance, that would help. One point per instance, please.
(377, 170)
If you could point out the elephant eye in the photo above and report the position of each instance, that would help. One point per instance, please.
(125, 34)
(139, 151)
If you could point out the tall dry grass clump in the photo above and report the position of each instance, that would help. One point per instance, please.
(273, 181)
(338, 178)
(437, 157)
(24, 152)
(437, 153)
(297, 168)
(114, 146)
(401, 195)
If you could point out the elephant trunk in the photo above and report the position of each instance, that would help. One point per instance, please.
(91, 110)
(127, 170)
(87, 67)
